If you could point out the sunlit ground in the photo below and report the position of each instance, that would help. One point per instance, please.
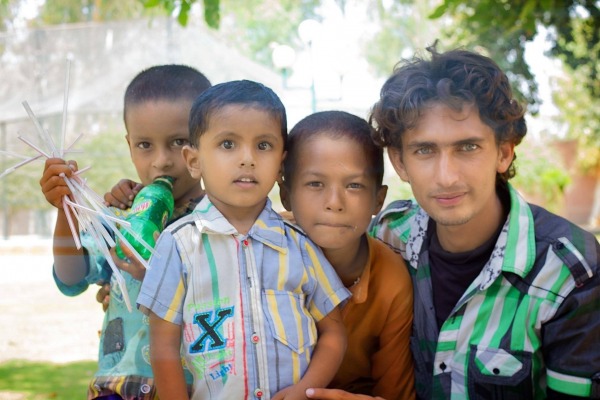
(48, 342)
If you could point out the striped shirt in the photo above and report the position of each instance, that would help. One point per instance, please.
(530, 321)
(247, 304)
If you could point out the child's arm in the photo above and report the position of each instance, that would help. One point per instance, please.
(326, 358)
(165, 357)
(69, 261)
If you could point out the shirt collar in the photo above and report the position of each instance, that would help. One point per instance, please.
(514, 250)
(268, 228)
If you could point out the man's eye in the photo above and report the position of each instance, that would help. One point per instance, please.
(424, 150)
(469, 147)
(227, 144)
(264, 146)
(314, 184)
(180, 142)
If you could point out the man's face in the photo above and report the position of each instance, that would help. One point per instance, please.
(450, 160)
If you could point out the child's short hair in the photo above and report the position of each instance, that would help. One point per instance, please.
(334, 124)
(170, 82)
(243, 92)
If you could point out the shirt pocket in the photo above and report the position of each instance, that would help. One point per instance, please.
(289, 319)
(499, 374)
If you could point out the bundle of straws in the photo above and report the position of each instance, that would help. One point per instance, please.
(85, 206)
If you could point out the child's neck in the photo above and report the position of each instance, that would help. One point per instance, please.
(241, 218)
(349, 262)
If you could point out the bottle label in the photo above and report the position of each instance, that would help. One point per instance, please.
(141, 207)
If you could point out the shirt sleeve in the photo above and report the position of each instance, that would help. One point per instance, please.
(98, 269)
(164, 286)
(329, 290)
(570, 343)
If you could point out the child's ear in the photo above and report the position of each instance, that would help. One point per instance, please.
(192, 160)
(128, 143)
(284, 195)
(380, 198)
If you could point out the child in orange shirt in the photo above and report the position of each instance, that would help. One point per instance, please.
(333, 177)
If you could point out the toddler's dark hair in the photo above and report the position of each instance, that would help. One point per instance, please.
(243, 93)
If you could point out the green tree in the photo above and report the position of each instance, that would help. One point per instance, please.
(573, 28)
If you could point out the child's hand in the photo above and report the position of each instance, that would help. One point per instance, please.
(53, 185)
(122, 194)
(131, 264)
(103, 296)
(294, 392)
(336, 394)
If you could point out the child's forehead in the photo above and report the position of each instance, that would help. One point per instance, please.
(241, 114)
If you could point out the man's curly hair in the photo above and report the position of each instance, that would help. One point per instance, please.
(456, 79)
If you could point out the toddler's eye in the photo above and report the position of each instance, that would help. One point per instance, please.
(264, 146)
(143, 145)
(227, 144)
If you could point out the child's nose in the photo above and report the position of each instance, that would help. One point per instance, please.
(334, 200)
(163, 160)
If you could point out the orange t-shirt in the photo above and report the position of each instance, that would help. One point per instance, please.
(378, 319)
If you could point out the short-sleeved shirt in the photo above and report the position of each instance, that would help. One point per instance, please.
(529, 321)
(378, 321)
(124, 352)
(248, 304)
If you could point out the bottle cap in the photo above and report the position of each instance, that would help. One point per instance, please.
(166, 179)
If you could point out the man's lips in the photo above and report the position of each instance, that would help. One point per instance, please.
(449, 198)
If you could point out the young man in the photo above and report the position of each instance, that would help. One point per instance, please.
(157, 106)
(506, 294)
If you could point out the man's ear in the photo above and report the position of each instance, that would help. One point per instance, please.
(395, 156)
(380, 198)
(192, 160)
(506, 154)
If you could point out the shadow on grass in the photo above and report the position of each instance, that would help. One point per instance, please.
(39, 380)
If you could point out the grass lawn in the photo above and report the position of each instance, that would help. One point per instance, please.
(39, 380)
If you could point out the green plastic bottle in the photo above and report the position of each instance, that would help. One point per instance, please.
(149, 213)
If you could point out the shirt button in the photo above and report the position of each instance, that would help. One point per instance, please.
(258, 392)
(245, 242)
(145, 388)
(255, 338)
(496, 371)
(443, 366)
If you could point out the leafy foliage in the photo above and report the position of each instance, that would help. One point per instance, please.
(573, 28)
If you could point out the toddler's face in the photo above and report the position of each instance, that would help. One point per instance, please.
(157, 131)
(239, 158)
(332, 195)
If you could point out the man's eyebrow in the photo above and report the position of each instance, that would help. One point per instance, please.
(417, 144)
